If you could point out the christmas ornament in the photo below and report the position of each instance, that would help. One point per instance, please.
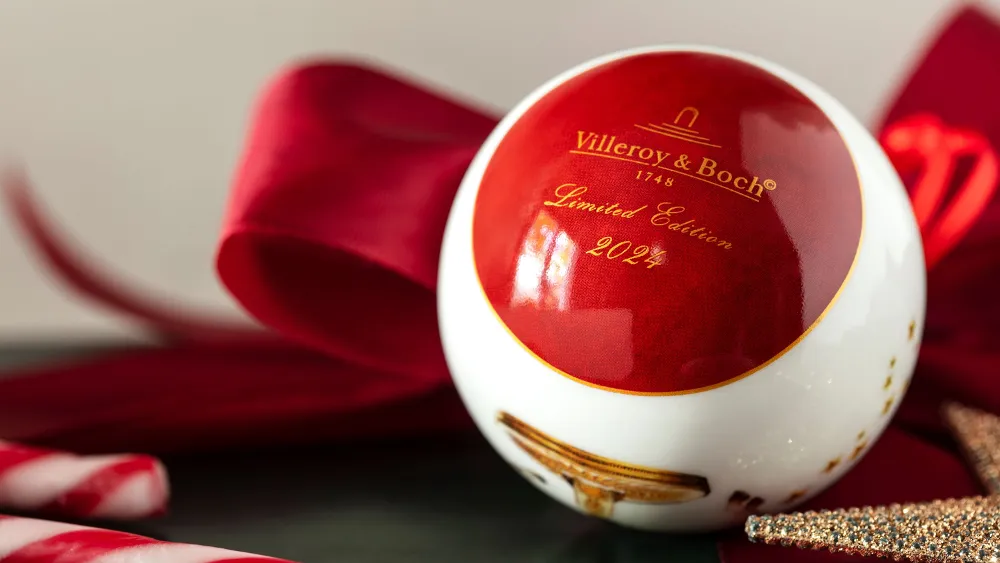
(978, 433)
(679, 285)
(955, 530)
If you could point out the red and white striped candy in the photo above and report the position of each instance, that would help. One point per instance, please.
(25, 540)
(106, 486)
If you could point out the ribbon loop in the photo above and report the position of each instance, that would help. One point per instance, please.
(924, 143)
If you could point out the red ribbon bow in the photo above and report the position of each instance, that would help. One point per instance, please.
(925, 144)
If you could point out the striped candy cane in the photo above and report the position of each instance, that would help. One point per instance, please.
(107, 486)
(25, 540)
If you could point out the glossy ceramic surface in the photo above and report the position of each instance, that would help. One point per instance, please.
(684, 281)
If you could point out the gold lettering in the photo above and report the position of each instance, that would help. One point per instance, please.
(567, 195)
(630, 214)
(600, 146)
(707, 170)
(564, 195)
(767, 185)
(707, 167)
(677, 226)
(666, 211)
(666, 216)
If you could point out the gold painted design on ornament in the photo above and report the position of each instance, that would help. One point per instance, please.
(796, 495)
(888, 405)
(888, 382)
(599, 482)
(858, 450)
(892, 362)
(861, 435)
(531, 475)
(831, 465)
(676, 131)
(913, 330)
(743, 504)
(763, 365)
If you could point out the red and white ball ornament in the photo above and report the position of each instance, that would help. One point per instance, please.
(680, 285)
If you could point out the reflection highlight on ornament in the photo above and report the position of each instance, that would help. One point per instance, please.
(543, 265)
(599, 482)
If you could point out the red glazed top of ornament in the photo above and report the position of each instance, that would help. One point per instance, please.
(666, 223)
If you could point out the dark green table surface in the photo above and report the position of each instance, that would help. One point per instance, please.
(453, 499)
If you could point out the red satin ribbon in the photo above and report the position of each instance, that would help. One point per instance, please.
(925, 144)
(331, 239)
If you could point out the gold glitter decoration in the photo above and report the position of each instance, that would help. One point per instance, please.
(963, 530)
(913, 330)
(888, 382)
(978, 433)
(950, 531)
(861, 435)
(892, 362)
(831, 465)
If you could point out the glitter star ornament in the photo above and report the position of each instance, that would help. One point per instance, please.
(956, 530)
(680, 285)
(978, 433)
(951, 531)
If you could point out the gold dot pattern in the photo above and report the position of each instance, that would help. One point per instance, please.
(888, 405)
(858, 450)
(796, 495)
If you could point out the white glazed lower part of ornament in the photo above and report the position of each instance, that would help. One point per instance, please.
(679, 285)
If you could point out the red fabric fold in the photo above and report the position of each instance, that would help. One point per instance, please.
(217, 396)
(338, 209)
(331, 239)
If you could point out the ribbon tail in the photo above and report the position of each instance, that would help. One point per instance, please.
(165, 321)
